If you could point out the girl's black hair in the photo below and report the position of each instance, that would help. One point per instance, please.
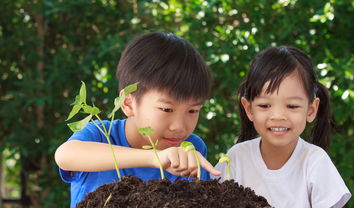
(166, 62)
(273, 65)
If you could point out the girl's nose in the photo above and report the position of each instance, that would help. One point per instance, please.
(277, 114)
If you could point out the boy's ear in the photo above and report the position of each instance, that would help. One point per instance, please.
(313, 108)
(247, 106)
(128, 105)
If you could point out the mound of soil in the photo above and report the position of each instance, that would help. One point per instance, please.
(132, 192)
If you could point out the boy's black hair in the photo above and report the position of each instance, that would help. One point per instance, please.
(166, 62)
(273, 65)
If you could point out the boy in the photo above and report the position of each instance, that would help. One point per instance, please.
(174, 81)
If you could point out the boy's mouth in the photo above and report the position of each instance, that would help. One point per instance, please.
(173, 141)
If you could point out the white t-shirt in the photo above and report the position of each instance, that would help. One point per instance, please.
(307, 179)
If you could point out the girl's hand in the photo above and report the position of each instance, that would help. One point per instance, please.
(181, 163)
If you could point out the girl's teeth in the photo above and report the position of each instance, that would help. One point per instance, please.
(278, 129)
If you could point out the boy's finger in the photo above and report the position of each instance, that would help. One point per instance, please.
(173, 157)
(192, 163)
(183, 160)
(208, 167)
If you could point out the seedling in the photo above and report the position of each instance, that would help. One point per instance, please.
(226, 158)
(188, 146)
(147, 132)
(80, 103)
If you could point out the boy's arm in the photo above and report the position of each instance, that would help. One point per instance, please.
(85, 156)
(78, 155)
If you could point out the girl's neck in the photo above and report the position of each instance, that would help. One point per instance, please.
(275, 157)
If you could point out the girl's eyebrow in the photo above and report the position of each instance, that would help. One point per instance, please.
(288, 98)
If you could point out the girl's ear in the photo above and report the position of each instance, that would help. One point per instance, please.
(247, 106)
(312, 112)
(128, 105)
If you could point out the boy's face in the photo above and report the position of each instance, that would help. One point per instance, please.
(171, 121)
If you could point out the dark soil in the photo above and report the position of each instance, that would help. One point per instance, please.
(132, 192)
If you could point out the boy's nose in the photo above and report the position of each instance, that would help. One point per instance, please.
(178, 127)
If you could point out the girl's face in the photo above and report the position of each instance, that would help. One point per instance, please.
(171, 121)
(280, 117)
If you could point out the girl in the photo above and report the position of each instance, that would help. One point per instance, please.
(280, 95)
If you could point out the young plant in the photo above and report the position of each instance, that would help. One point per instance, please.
(147, 132)
(188, 146)
(80, 104)
(226, 158)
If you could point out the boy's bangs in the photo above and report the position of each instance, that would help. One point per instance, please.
(183, 79)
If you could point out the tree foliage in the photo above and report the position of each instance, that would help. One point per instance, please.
(48, 47)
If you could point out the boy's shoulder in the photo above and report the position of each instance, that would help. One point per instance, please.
(92, 132)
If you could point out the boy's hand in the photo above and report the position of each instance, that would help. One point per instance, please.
(181, 163)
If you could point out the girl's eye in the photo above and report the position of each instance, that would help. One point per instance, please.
(167, 110)
(293, 106)
(264, 105)
(194, 111)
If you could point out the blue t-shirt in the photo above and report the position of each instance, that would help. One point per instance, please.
(83, 183)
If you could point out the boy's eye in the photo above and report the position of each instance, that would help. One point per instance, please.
(167, 110)
(264, 105)
(194, 111)
(293, 106)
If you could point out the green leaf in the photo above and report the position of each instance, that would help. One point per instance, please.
(118, 101)
(117, 104)
(87, 109)
(147, 147)
(77, 100)
(74, 111)
(146, 131)
(224, 158)
(83, 92)
(187, 146)
(131, 88)
(95, 111)
(78, 125)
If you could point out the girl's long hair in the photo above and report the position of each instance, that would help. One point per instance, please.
(273, 65)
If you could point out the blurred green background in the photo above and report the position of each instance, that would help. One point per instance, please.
(48, 47)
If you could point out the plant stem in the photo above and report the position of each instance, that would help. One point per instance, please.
(198, 163)
(158, 158)
(110, 145)
(228, 171)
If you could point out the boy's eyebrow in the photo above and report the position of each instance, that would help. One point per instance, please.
(166, 101)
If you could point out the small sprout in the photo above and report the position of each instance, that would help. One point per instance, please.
(147, 147)
(93, 111)
(188, 146)
(147, 132)
(108, 199)
(226, 158)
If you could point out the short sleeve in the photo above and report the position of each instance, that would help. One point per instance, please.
(327, 186)
(89, 133)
